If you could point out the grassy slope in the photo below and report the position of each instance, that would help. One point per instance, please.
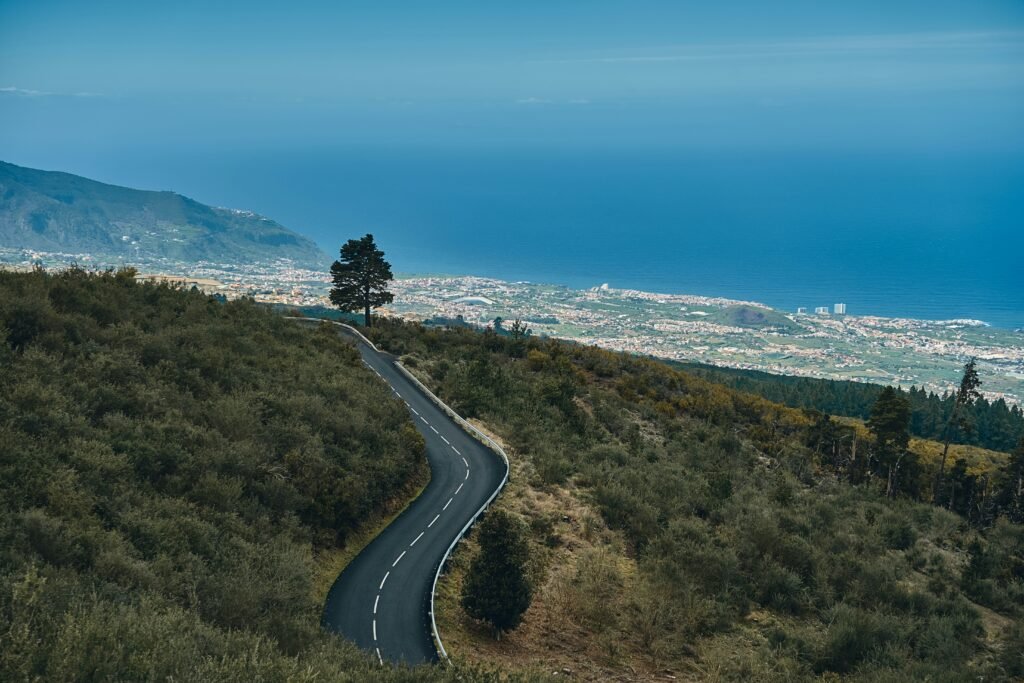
(683, 529)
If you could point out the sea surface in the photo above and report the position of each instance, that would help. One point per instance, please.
(934, 236)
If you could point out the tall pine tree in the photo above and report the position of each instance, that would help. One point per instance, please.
(890, 423)
(361, 277)
(497, 590)
(965, 396)
(1011, 486)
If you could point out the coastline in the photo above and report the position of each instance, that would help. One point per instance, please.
(905, 352)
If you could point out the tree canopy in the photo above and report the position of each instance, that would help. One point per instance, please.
(497, 590)
(361, 276)
(966, 394)
(890, 424)
(996, 424)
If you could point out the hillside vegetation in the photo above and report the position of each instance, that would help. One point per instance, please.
(60, 212)
(682, 528)
(169, 468)
(744, 315)
(995, 424)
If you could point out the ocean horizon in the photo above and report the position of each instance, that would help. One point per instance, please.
(907, 235)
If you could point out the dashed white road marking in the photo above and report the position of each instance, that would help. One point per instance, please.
(456, 450)
(397, 394)
(458, 489)
(466, 463)
(431, 523)
(375, 630)
(417, 538)
(375, 603)
(424, 420)
(383, 580)
(435, 430)
(397, 559)
(446, 441)
(467, 473)
(378, 655)
(446, 505)
(415, 412)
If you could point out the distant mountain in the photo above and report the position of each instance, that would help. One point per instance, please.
(743, 315)
(60, 212)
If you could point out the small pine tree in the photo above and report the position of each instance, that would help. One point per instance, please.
(497, 590)
(890, 423)
(519, 332)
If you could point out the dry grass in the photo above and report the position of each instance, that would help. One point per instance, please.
(979, 460)
(581, 574)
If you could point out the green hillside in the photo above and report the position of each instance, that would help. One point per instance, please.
(683, 528)
(60, 212)
(742, 315)
(170, 468)
(994, 424)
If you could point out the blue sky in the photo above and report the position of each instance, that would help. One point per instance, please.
(918, 74)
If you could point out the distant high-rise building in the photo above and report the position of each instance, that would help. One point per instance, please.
(821, 310)
(802, 310)
(839, 309)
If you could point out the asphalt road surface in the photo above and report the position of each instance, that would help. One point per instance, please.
(382, 599)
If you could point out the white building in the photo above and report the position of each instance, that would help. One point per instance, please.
(821, 310)
(839, 309)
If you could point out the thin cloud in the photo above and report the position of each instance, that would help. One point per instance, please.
(24, 92)
(29, 92)
(865, 45)
(540, 100)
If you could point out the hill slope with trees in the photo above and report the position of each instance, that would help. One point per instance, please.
(995, 424)
(680, 527)
(170, 467)
(60, 212)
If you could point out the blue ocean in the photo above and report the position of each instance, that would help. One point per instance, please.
(923, 236)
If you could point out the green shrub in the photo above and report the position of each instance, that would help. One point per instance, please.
(897, 532)
(854, 636)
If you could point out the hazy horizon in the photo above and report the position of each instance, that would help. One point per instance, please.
(837, 152)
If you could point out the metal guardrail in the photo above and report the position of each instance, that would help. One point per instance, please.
(490, 443)
(335, 322)
(472, 431)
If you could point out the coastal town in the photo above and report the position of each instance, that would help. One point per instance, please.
(899, 351)
(683, 327)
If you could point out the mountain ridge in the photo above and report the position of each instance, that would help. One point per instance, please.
(61, 212)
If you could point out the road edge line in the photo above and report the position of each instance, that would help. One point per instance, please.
(492, 445)
(472, 431)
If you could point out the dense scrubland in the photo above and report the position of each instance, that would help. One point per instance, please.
(680, 527)
(170, 467)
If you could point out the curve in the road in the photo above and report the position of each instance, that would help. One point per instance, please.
(383, 600)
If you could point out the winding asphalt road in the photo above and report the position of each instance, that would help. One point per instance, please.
(382, 599)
